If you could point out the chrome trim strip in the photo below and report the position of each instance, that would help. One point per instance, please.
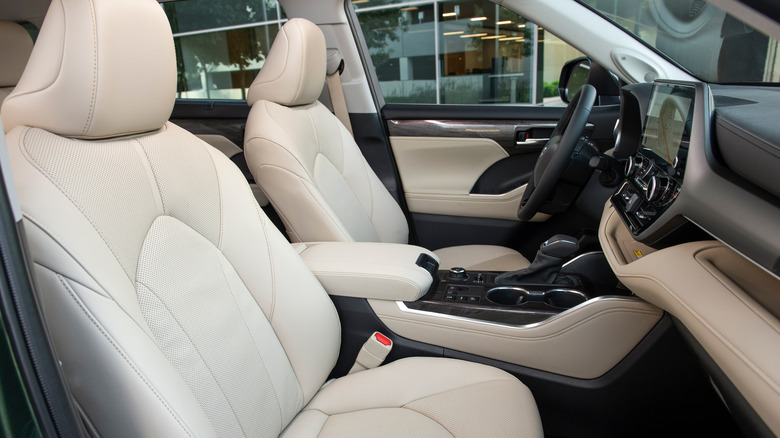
(402, 306)
(581, 256)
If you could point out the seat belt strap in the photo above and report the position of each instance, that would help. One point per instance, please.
(373, 353)
(333, 79)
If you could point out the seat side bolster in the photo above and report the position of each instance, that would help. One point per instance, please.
(114, 366)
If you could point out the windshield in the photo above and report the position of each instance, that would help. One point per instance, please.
(701, 38)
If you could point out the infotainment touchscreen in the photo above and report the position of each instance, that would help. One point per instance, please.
(668, 123)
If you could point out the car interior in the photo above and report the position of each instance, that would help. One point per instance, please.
(320, 258)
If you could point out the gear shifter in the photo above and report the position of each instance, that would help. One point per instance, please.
(547, 263)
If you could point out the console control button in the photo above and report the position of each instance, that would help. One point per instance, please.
(457, 273)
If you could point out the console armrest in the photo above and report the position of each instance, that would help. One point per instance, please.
(384, 271)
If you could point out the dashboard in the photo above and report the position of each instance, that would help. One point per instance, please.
(688, 148)
(693, 229)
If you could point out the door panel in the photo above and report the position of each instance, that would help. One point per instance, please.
(470, 165)
(459, 162)
(467, 161)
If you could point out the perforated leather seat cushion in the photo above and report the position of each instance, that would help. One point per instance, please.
(421, 397)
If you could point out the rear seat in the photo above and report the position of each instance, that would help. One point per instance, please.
(14, 52)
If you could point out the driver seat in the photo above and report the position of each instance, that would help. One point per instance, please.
(312, 170)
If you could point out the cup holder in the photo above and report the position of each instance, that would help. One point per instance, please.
(514, 296)
(564, 298)
(506, 296)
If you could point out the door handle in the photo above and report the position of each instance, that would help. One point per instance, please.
(533, 137)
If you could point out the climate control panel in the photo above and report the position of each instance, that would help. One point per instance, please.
(650, 187)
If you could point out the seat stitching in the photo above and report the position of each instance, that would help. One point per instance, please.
(205, 148)
(281, 126)
(23, 149)
(71, 280)
(282, 216)
(318, 203)
(341, 141)
(46, 231)
(232, 410)
(122, 354)
(432, 419)
(458, 388)
(316, 136)
(338, 224)
(283, 150)
(148, 165)
(363, 161)
(299, 88)
(257, 344)
(90, 114)
(272, 117)
(370, 193)
(270, 264)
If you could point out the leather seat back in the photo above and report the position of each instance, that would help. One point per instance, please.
(305, 160)
(14, 52)
(175, 306)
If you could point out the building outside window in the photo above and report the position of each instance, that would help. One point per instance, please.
(441, 51)
(460, 52)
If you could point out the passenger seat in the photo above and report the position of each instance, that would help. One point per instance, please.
(310, 167)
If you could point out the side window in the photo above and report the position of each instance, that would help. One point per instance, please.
(460, 52)
(221, 44)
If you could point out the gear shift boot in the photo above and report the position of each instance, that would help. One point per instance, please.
(547, 263)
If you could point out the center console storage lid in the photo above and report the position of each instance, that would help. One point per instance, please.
(384, 271)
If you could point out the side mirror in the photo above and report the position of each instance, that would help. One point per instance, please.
(574, 75)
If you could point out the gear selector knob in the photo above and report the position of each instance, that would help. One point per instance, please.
(547, 263)
(560, 246)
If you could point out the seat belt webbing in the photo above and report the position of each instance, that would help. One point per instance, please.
(333, 80)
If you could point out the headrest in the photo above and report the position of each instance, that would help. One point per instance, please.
(294, 70)
(14, 52)
(99, 69)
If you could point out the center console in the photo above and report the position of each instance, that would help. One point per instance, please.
(654, 174)
(477, 294)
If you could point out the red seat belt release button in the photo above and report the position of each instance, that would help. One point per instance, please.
(373, 352)
(384, 340)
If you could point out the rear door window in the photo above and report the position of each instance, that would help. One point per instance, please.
(221, 44)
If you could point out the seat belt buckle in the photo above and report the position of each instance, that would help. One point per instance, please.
(372, 353)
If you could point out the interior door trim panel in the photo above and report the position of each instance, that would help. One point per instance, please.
(503, 206)
(438, 165)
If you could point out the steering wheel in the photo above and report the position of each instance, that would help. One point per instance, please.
(556, 155)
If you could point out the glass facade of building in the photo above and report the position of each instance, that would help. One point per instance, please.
(442, 51)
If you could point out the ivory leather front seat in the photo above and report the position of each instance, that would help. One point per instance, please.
(15, 47)
(310, 167)
(174, 305)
